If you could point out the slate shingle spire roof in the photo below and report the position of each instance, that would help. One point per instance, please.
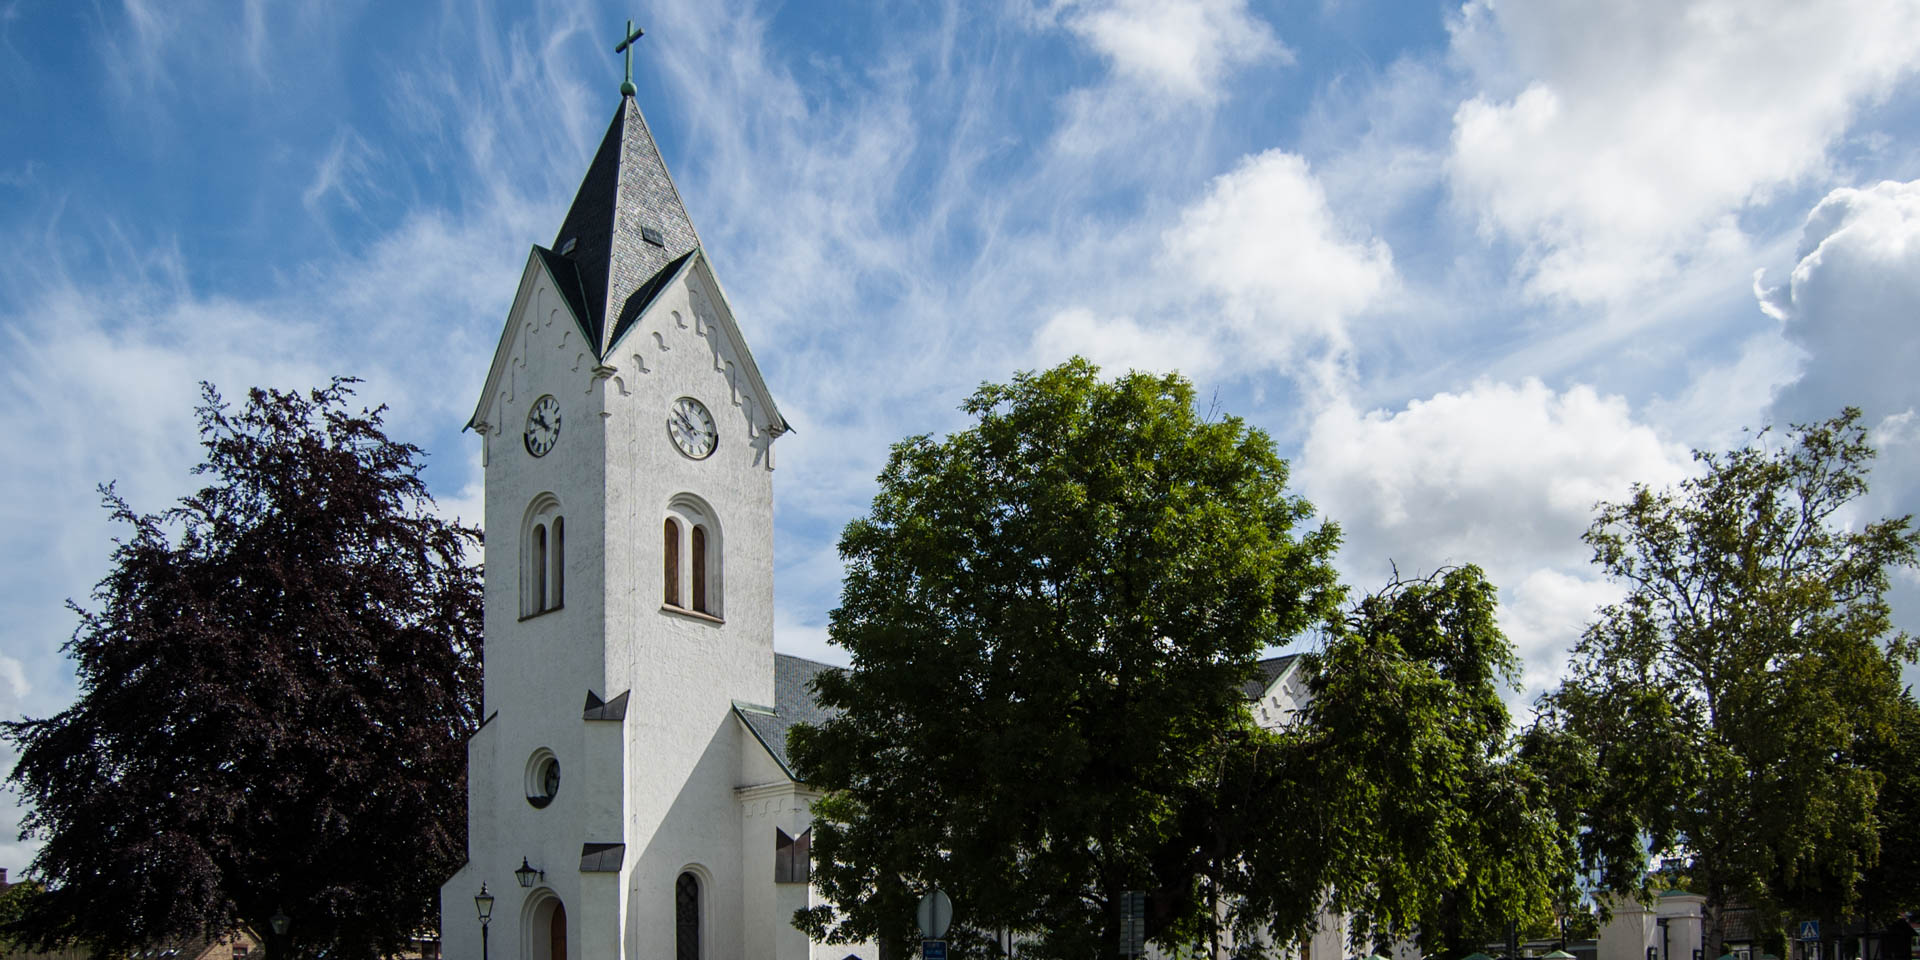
(627, 228)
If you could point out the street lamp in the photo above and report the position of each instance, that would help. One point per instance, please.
(483, 902)
(528, 873)
(279, 923)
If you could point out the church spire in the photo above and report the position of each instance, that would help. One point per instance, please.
(626, 233)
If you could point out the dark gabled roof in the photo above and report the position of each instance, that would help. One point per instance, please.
(602, 857)
(626, 201)
(566, 276)
(598, 709)
(645, 295)
(1271, 669)
(793, 703)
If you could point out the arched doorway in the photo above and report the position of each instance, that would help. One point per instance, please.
(543, 927)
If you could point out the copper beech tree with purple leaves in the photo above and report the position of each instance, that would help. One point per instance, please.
(276, 682)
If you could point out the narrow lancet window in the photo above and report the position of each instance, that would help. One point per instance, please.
(673, 563)
(558, 597)
(540, 568)
(700, 568)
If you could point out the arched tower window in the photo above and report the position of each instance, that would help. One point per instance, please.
(686, 917)
(700, 569)
(694, 573)
(671, 551)
(556, 579)
(542, 557)
(539, 567)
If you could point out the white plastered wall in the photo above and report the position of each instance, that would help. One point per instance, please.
(685, 670)
(538, 668)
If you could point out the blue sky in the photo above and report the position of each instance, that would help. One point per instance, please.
(1474, 265)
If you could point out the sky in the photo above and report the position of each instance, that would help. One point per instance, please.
(1474, 266)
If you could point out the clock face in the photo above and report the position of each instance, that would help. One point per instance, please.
(691, 427)
(543, 425)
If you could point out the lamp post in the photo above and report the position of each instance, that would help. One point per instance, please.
(528, 873)
(483, 902)
(280, 923)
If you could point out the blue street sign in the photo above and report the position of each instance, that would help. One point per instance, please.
(1809, 929)
(933, 950)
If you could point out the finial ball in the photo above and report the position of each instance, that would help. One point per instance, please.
(627, 89)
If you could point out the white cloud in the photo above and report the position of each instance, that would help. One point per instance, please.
(1258, 274)
(1719, 402)
(1121, 343)
(1851, 301)
(1265, 239)
(1896, 429)
(1181, 49)
(1502, 475)
(345, 172)
(1614, 139)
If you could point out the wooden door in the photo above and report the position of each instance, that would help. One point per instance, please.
(557, 932)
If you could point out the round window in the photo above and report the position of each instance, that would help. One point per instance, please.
(543, 777)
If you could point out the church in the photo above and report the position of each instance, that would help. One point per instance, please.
(629, 794)
(629, 791)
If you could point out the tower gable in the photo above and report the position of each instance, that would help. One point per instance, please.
(694, 271)
(546, 277)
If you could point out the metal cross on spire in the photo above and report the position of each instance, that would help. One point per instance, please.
(626, 46)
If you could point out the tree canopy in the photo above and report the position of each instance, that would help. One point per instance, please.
(276, 681)
(1052, 617)
(1729, 708)
(1435, 825)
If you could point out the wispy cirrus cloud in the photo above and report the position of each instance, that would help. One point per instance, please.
(1179, 49)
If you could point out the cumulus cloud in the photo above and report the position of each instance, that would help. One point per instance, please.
(1851, 301)
(1615, 140)
(1181, 49)
(1263, 271)
(1265, 239)
(1503, 475)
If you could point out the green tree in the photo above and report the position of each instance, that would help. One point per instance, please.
(276, 683)
(1892, 749)
(1430, 820)
(1720, 709)
(1051, 616)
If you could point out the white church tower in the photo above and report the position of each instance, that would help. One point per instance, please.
(632, 755)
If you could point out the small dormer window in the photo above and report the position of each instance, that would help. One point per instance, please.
(652, 236)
